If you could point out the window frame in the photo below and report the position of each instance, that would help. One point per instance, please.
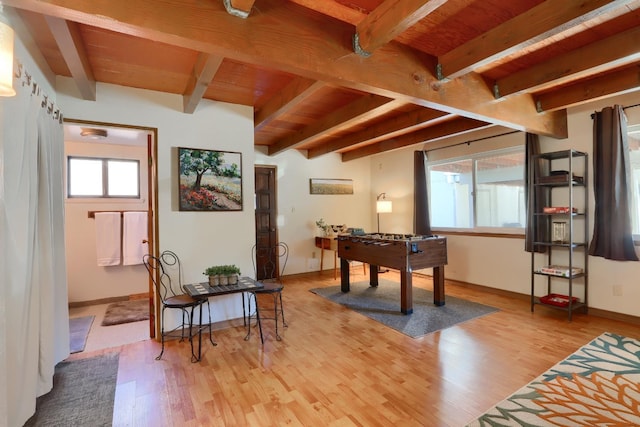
(105, 177)
(474, 158)
(634, 203)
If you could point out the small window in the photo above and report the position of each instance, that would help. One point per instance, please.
(483, 191)
(99, 177)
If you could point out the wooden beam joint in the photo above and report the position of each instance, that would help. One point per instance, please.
(439, 74)
(357, 48)
(231, 10)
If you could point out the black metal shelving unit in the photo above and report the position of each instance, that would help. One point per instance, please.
(572, 249)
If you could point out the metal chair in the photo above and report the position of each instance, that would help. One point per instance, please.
(173, 296)
(274, 260)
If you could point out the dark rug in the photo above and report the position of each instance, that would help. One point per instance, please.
(126, 311)
(383, 304)
(79, 328)
(83, 394)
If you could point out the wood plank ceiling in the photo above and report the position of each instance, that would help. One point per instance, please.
(356, 77)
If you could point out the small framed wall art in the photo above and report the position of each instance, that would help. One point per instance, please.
(330, 186)
(209, 180)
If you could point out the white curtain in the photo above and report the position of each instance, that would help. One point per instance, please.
(35, 316)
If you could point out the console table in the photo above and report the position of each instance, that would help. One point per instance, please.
(331, 244)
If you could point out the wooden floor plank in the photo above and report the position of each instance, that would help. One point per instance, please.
(335, 367)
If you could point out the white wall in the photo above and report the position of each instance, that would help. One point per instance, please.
(298, 210)
(87, 281)
(201, 239)
(502, 263)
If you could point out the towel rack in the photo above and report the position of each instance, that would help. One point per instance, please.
(92, 214)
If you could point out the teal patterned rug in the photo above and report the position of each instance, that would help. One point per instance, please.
(598, 385)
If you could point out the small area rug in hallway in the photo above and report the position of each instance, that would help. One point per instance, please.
(79, 328)
(382, 303)
(83, 394)
(598, 385)
(128, 311)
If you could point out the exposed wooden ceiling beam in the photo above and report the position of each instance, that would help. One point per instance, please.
(360, 110)
(612, 52)
(333, 9)
(239, 8)
(485, 133)
(69, 42)
(286, 100)
(615, 83)
(535, 25)
(388, 20)
(454, 127)
(390, 128)
(204, 71)
(293, 39)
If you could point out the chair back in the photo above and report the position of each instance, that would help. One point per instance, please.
(272, 260)
(166, 273)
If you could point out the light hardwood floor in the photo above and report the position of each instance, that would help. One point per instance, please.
(335, 367)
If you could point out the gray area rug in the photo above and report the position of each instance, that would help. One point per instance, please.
(79, 328)
(133, 310)
(383, 304)
(83, 394)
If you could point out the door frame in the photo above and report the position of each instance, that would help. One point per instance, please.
(152, 202)
(273, 212)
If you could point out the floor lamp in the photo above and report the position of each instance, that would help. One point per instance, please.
(382, 206)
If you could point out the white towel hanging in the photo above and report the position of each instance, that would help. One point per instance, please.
(133, 235)
(108, 240)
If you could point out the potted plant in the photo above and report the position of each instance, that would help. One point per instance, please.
(323, 226)
(214, 274)
(231, 272)
(222, 274)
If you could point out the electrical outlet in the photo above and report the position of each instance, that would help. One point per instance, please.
(617, 290)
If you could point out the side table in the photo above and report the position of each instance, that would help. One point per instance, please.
(331, 244)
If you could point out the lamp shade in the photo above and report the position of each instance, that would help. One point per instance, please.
(384, 206)
(6, 60)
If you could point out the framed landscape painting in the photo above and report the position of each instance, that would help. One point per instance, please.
(330, 186)
(209, 180)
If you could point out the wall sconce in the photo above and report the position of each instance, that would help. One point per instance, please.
(383, 206)
(6, 57)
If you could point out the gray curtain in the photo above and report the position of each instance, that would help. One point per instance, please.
(536, 229)
(421, 222)
(612, 238)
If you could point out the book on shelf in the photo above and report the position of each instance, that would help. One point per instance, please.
(559, 177)
(560, 270)
(558, 300)
(558, 210)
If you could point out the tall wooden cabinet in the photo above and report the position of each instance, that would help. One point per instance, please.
(559, 277)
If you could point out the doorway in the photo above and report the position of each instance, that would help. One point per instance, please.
(88, 282)
(266, 213)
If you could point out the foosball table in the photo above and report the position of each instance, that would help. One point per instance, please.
(402, 252)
